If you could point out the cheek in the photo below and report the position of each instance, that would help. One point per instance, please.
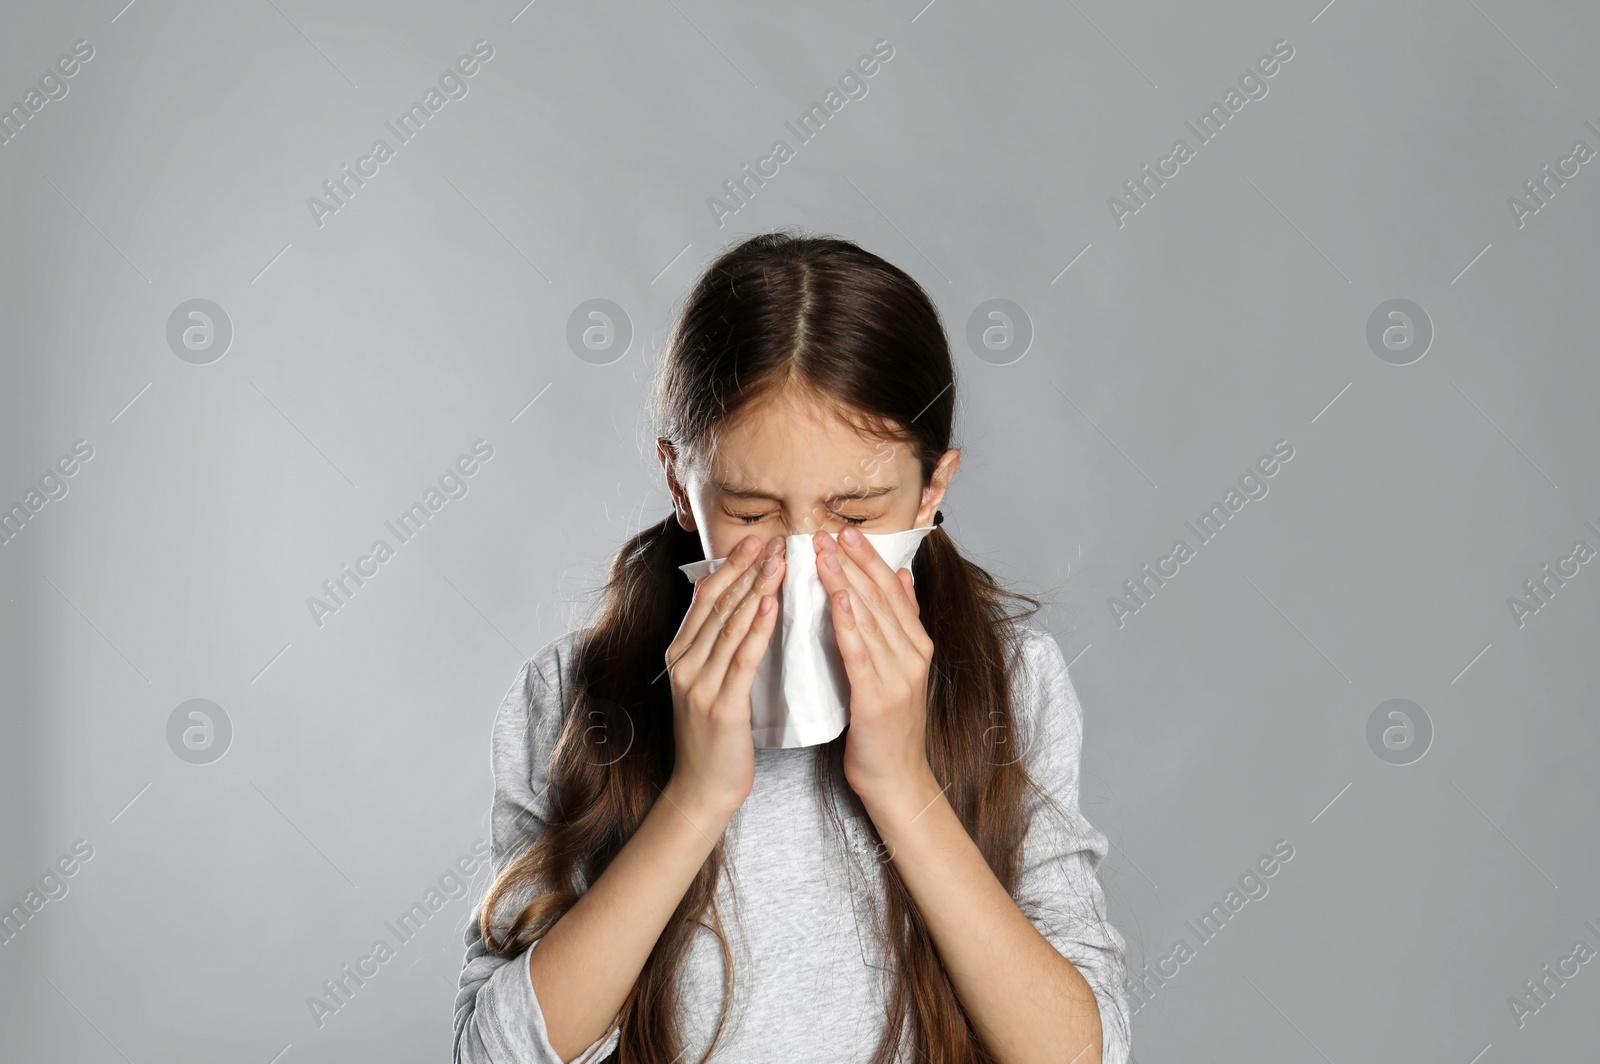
(724, 535)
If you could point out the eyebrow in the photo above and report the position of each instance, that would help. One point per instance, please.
(838, 496)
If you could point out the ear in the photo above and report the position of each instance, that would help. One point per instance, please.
(938, 485)
(680, 495)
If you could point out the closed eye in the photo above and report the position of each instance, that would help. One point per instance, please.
(751, 519)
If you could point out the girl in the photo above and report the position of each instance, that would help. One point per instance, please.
(921, 887)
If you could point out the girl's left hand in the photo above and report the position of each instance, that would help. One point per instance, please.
(887, 655)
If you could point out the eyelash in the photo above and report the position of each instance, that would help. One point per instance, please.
(751, 519)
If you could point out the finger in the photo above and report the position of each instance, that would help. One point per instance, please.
(885, 593)
(741, 673)
(858, 660)
(713, 670)
(738, 622)
(882, 629)
(709, 601)
(834, 568)
(892, 600)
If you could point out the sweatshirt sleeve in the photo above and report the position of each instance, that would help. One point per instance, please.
(1058, 889)
(497, 1015)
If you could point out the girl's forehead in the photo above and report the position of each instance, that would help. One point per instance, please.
(792, 443)
(800, 471)
(799, 474)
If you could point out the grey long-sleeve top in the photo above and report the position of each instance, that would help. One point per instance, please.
(808, 977)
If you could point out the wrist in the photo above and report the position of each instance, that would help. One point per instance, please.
(706, 812)
(902, 801)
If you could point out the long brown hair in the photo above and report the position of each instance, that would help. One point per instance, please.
(859, 333)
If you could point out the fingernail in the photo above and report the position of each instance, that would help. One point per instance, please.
(844, 602)
(747, 545)
(770, 566)
(850, 536)
(831, 560)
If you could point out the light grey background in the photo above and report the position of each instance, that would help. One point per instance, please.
(369, 352)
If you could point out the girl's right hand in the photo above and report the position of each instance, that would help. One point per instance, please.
(712, 662)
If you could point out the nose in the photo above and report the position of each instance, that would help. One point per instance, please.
(804, 525)
(812, 523)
